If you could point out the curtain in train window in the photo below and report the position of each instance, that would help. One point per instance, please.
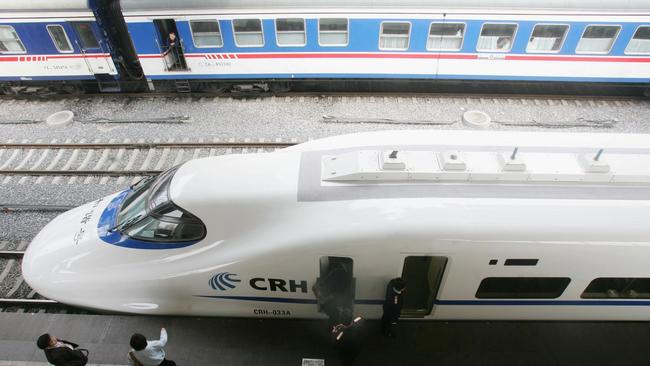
(248, 32)
(598, 39)
(445, 36)
(496, 37)
(394, 36)
(640, 43)
(290, 32)
(206, 33)
(59, 38)
(547, 38)
(9, 40)
(333, 32)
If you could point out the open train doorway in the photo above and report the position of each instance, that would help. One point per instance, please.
(171, 45)
(335, 288)
(422, 275)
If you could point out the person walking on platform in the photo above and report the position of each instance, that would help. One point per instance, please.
(347, 337)
(392, 306)
(62, 353)
(149, 353)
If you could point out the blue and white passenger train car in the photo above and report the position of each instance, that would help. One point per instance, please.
(414, 45)
(53, 42)
(582, 41)
(481, 225)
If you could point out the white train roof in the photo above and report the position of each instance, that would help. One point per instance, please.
(329, 169)
(43, 5)
(575, 5)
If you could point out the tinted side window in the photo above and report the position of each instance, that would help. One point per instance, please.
(9, 40)
(290, 32)
(206, 33)
(598, 39)
(496, 37)
(547, 38)
(333, 32)
(248, 32)
(86, 35)
(522, 287)
(627, 288)
(394, 36)
(446, 36)
(60, 38)
(640, 43)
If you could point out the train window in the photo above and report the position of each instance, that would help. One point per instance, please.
(248, 32)
(333, 32)
(148, 213)
(86, 35)
(622, 288)
(547, 38)
(9, 40)
(167, 229)
(598, 39)
(290, 32)
(496, 37)
(60, 38)
(206, 33)
(522, 287)
(394, 36)
(640, 43)
(445, 36)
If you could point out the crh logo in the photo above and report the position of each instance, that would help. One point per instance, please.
(223, 281)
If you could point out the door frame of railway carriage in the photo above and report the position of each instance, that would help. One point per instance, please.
(423, 275)
(325, 270)
(163, 28)
(96, 65)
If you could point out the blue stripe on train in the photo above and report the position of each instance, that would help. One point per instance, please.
(451, 302)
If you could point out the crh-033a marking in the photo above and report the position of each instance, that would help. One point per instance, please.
(481, 225)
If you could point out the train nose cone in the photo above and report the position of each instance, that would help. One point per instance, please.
(52, 262)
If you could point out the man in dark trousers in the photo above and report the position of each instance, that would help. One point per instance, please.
(347, 337)
(62, 353)
(392, 306)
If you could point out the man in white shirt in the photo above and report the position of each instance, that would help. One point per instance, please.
(149, 353)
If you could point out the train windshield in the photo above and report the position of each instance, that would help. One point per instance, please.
(148, 213)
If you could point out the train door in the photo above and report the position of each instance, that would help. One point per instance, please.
(335, 288)
(171, 46)
(87, 42)
(422, 275)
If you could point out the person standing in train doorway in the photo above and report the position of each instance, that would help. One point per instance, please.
(392, 306)
(149, 353)
(172, 53)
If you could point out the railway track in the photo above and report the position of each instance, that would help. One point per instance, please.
(36, 160)
(12, 284)
(318, 94)
(15, 294)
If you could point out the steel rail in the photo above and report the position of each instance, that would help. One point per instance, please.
(6, 301)
(82, 173)
(13, 207)
(12, 254)
(152, 145)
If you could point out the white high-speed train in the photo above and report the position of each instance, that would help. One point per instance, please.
(481, 225)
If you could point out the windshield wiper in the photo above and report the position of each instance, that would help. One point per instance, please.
(141, 181)
(126, 224)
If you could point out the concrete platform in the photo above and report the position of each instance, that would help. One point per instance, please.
(221, 341)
